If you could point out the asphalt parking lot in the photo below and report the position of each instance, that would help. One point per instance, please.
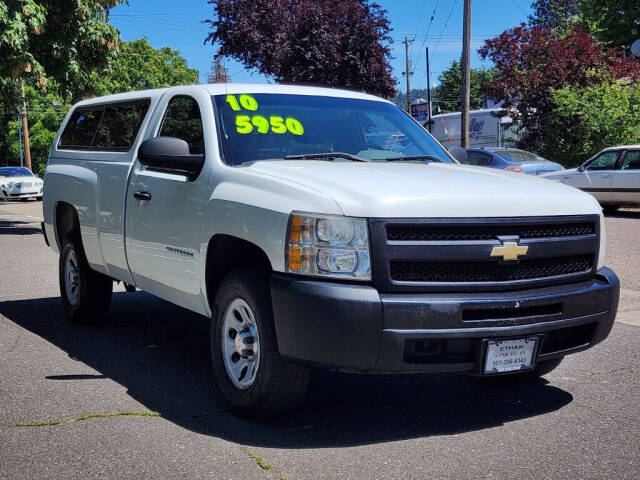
(135, 398)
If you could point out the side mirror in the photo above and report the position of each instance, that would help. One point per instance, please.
(170, 155)
(459, 153)
(581, 168)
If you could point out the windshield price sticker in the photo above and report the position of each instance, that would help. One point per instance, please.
(246, 124)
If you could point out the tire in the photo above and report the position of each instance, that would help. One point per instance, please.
(610, 209)
(269, 384)
(86, 294)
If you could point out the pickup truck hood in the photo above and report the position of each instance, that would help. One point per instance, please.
(413, 190)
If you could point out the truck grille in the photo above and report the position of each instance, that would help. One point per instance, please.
(485, 232)
(460, 272)
(431, 255)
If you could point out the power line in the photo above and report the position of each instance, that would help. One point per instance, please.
(446, 24)
(419, 23)
(433, 15)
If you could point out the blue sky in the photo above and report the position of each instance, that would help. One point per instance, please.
(178, 25)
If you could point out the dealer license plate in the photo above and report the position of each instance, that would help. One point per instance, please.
(510, 355)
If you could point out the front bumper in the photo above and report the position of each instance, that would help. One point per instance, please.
(355, 328)
(29, 194)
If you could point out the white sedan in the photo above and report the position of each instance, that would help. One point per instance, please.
(19, 183)
(612, 176)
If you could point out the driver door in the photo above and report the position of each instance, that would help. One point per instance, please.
(625, 187)
(164, 215)
(597, 176)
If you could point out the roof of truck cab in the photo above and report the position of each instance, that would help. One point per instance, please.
(620, 147)
(234, 88)
(123, 97)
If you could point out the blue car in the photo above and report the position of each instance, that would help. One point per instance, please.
(511, 159)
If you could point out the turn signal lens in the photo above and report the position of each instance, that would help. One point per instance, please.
(514, 168)
(326, 245)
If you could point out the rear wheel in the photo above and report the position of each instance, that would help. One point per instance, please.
(86, 294)
(252, 376)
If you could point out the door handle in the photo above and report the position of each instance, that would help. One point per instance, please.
(142, 196)
(606, 175)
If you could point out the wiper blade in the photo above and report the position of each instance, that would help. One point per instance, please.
(433, 158)
(325, 156)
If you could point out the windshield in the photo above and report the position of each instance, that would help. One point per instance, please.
(271, 126)
(15, 172)
(520, 156)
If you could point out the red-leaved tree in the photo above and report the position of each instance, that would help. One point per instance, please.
(532, 62)
(338, 43)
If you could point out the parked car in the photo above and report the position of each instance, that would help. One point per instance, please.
(612, 176)
(18, 183)
(269, 210)
(512, 160)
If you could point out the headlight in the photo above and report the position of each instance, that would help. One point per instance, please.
(331, 246)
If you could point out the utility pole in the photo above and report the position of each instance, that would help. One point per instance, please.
(25, 128)
(428, 94)
(466, 75)
(20, 140)
(407, 73)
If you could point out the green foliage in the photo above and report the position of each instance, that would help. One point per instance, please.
(558, 15)
(612, 22)
(586, 120)
(139, 66)
(46, 112)
(448, 94)
(136, 66)
(45, 40)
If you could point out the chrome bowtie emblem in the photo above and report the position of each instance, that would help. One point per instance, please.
(509, 251)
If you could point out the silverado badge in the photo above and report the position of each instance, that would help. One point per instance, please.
(509, 251)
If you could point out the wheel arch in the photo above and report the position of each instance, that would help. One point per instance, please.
(66, 223)
(226, 253)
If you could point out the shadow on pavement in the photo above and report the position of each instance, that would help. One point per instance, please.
(16, 227)
(160, 353)
(623, 213)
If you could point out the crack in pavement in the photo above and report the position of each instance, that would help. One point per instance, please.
(88, 416)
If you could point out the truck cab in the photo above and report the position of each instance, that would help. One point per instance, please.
(323, 228)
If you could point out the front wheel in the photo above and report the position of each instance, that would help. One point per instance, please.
(252, 376)
(86, 294)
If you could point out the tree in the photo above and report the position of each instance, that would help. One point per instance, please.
(338, 43)
(532, 62)
(558, 15)
(46, 112)
(613, 22)
(44, 42)
(448, 94)
(219, 73)
(139, 66)
(63, 41)
(136, 66)
(586, 120)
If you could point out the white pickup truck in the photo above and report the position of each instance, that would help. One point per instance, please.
(320, 227)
